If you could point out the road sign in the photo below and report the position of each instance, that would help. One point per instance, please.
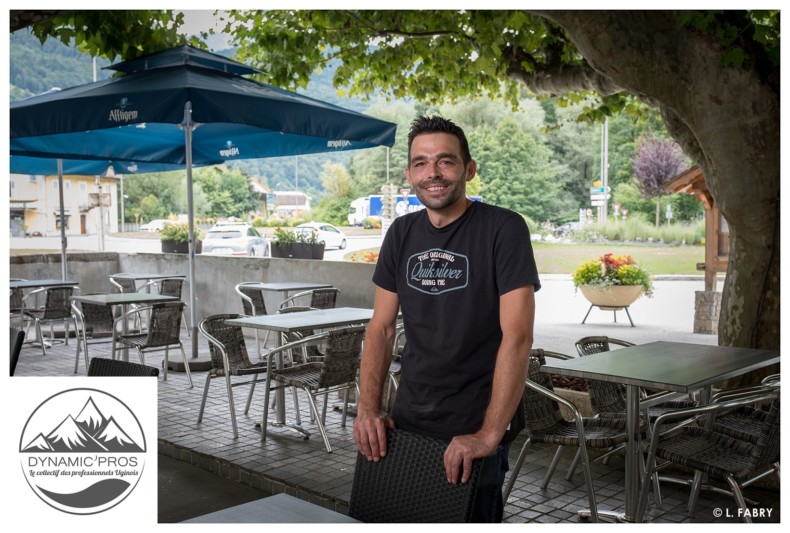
(599, 190)
(600, 196)
(598, 203)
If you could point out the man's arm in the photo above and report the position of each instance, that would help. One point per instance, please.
(517, 315)
(370, 424)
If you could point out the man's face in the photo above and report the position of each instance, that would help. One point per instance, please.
(436, 170)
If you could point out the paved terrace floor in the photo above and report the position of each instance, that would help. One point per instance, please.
(303, 468)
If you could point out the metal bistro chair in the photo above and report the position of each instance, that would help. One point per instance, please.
(229, 358)
(253, 304)
(15, 304)
(398, 347)
(93, 322)
(125, 286)
(100, 366)
(336, 372)
(164, 326)
(319, 298)
(544, 423)
(409, 485)
(171, 287)
(735, 462)
(57, 308)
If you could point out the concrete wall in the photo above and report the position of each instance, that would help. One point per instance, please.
(215, 277)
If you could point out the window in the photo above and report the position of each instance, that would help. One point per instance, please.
(83, 186)
(32, 178)
(57, 219)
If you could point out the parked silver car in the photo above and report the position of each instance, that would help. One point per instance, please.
(235, 238)
(329, 234)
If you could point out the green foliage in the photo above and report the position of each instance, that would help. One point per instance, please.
(637, 229)
(229, 191)
(284, 237)
(178, 232)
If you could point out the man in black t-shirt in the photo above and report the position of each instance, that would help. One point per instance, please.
(464, 276)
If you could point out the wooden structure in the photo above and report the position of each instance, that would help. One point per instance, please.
(717, 232)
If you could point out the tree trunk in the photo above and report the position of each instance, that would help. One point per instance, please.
(725, 118)
(658, 210)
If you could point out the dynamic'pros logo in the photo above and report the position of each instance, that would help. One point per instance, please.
(82, 451)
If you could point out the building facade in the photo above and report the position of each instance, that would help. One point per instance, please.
(35, 205)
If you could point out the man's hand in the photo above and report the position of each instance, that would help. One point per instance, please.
(370, 434)
(464, 449)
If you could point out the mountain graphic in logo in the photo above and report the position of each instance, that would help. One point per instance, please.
(88, 432)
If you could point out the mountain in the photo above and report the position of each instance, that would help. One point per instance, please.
(89, 432)
(115, 439)
(70, 437)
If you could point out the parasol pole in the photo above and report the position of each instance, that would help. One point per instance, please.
(62, 216)
(191, 214)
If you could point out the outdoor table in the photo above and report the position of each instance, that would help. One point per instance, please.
(281, 508)
(670, 366)
(123, 299)
(40, 283)
(295, 322)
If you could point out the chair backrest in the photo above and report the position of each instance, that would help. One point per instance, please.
(58, 303)
(164, 324)
(96, 318)
(251, 299)
(324, 298)
(540, 411)
(100, 366)
(17, 339)
(124, 284)
(341, 358)
(410, 484)
(605, 397)
(16, 299)
(766, 451)
(231, 339)
(171, 287)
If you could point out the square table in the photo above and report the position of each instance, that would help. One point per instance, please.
(278, 509)
(295, 322)
(671, 366)
(123, 299)
(39, 283)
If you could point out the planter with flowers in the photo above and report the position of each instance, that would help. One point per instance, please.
(175, 239)
(612, 282)
(296, 245)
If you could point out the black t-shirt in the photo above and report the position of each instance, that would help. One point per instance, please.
(448, 282)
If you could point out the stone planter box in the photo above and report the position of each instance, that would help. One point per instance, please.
(173, 247)
(298, 250)
(615, 297)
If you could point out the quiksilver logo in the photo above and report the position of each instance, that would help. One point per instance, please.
(338, 144)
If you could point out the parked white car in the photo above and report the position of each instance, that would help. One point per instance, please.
(155, 225)
(235, 238)
(332, 237)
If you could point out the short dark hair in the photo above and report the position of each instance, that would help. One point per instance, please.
(437, 124)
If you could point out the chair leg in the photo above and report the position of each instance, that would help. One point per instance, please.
(552, 467)
(695, 490)
(232, 405)
(205, 396)
(265, 419)
(40, 338)
(514, 473)
(738, 495)
(249, 394)
(574, 465)
(321, 428)
(186, 365)
(588, 482)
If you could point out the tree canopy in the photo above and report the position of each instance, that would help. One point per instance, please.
(714, 76)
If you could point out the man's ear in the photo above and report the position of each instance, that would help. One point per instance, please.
(471, 170)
